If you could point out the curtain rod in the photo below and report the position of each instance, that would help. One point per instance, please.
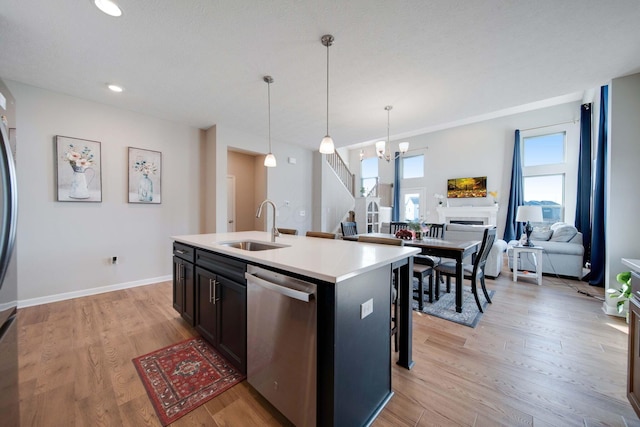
(548, 126)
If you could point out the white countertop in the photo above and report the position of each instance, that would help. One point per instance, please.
(633, 263)
(324, 259)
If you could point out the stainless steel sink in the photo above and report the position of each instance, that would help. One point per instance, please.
(253, 245)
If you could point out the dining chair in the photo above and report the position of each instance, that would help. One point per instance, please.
(435, 231)
(395, 277)
(349, 228)
(473, 272)
(321, 234)
(396, 225)
(288, 231)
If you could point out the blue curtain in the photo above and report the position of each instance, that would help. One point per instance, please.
(395, 213)
(599, 214)
(583, 205)
(512, 229)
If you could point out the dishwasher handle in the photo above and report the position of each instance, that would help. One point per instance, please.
(286, 291)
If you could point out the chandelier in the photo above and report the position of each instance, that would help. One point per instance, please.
(383, 148)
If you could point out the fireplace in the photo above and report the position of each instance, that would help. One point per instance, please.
(481, 215)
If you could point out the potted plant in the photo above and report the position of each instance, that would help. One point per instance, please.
(623, 293)
(415, 227)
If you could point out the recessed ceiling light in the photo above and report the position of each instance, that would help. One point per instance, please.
(108, 7)
(115, 88)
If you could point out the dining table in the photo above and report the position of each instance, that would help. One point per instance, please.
(453, 249)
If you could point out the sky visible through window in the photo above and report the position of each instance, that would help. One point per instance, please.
(544, 150)
(369, 174)
(369, 167)
(544, 189)
(413, 167)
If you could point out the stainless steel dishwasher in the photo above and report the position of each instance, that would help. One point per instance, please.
(281, 342)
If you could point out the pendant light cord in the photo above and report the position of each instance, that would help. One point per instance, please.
(388, 139)
(269, 100)
(328, 44)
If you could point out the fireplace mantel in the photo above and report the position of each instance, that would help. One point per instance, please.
(488, 214)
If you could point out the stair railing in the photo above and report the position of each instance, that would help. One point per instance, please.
(343, 172)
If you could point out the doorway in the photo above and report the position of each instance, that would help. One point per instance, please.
(248, 189)
(231, 203)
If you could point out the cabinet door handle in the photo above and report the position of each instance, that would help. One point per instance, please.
(210, 291)
(215, 288)
(180, 251)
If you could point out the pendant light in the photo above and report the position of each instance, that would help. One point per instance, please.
(270, 159)
(380, 145)
(326, 146)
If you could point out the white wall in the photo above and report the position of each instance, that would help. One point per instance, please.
(623, 171)
(64, 246)
(479, 149)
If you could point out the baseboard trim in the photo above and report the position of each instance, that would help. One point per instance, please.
(93, 291)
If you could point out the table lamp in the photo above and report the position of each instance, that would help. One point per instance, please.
(529, 214)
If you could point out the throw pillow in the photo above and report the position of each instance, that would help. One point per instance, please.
(557, 225)
(564, 233)
(541, 235)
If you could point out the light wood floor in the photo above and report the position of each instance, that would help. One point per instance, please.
(540, 356)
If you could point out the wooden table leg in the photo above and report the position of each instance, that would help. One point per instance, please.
(459, 279)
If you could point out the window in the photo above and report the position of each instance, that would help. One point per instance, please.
(413, 167)
(546, 191)
(543, 149)
(544, 168)
(369, 176)
(411, 207)
(411, 200)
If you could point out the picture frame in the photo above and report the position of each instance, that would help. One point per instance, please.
(145, 176)
(78, 169)
(461, 188)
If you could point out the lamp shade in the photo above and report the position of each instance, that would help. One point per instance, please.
(326, 145)
(270, 161)
(529, 214)
(380, 148)
(404, 147)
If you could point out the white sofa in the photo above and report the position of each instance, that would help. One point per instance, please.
(562, 253)
(495, 259)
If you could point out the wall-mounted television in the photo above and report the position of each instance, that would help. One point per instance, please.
(459, 188)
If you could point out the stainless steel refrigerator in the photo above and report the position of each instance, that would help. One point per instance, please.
(9, 400)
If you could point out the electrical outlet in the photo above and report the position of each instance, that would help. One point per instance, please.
(366, 308)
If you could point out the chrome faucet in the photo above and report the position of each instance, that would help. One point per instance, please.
(274, 231)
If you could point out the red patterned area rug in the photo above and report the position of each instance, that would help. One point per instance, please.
(181, 377)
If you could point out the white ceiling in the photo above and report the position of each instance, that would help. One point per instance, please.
(201, 62)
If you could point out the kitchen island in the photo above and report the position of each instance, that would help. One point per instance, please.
(353, 346)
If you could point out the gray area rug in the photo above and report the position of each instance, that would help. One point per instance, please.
(445, 307)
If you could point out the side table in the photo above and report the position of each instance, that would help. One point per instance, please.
(536, 253)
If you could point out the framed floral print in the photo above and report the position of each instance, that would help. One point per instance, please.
(79, 170)
(145, 173)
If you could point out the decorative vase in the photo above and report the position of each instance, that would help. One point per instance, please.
(79, 187)
(145, 189)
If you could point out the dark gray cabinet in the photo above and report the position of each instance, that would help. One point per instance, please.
(221, 313)
(183, 281)
(633, 373)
